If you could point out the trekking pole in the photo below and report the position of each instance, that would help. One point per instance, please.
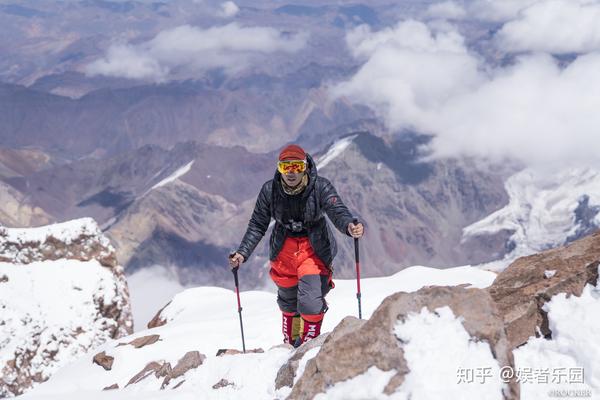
(237, 291)
(356, 257)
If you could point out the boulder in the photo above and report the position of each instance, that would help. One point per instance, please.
(163, 369)
(351, 353)
(287, 372)
(191, 360)
(103, 360)
(142, 341)
(522, 289)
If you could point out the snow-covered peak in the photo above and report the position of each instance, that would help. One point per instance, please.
(79, 239)
(334, 151)
(175, 175)
(61, 294)
(65, 232)
(544, 211)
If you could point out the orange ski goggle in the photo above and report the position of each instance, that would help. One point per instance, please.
(291, 167)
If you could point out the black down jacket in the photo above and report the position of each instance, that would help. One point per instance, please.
(321, 198)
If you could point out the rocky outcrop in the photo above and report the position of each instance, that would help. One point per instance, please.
(345, 356)
(64, 294)
(521, 290)
(287, 373)
(79, 240)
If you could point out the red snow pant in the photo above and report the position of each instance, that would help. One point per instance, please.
(302, 278)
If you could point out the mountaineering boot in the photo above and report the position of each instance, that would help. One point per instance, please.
(311, 330)
(287, 323)
(297, 328)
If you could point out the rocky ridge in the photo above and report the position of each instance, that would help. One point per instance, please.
(62, 293)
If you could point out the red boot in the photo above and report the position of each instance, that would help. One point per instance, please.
(311, 330)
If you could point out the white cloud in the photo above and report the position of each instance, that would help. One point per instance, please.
(535, 110)
(559, 26)
(446, 10)
(150, 289)
(228, 9)
(498, 10)
(193, 49)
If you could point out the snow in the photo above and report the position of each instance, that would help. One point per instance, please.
(549, 273)
(334, 151)
(43, 303)
(369, 385)
(437, 346)
(574, 347)
(176, 175)
(150, 289)
(541, 210)
(206, 319)
(65, 232)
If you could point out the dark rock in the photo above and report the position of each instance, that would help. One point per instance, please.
(142, 341)
(228, 352)
(103, 360)
(157, 320)
(149, 369)
(222, 383)
(191, 360)
(179, 384)
(112, 387)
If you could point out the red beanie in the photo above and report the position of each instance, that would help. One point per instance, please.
(292, 152)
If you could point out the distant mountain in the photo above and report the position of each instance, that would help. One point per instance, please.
(259, 112)
(189, 206)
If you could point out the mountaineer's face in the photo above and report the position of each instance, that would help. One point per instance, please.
(292, 179)
(292, 171)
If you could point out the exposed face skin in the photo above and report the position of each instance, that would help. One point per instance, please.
(292, 180)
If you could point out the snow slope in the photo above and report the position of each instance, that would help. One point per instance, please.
(206, 319)
(436, 348)
(176, 175)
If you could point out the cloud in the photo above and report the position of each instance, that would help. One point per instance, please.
(556, 27)
(191, 49)
(534, 110)
(446, 10)
(498, 10)
(150, 290)
(228, 9)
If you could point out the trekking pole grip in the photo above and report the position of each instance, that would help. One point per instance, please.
(357, 259)
(356, 254)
